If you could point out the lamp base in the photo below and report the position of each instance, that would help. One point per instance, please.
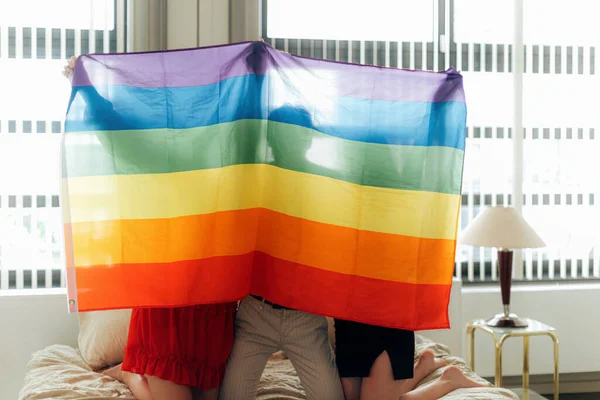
(507, 321)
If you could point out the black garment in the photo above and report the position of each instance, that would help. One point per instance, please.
(357, 346)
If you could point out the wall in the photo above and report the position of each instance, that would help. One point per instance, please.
(245, 17)
(452, 337)
(30, 322)
(194, 23)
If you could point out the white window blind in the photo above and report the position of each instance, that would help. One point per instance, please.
(36, 39)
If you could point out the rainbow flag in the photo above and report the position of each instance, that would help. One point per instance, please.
(204, 175)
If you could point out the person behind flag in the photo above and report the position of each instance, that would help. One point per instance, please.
(172, 353)
(377, 363)
(263, 327)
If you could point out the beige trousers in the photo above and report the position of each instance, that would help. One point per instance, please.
(261, 330)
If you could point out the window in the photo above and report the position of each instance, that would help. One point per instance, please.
(350, 20)
(561, 190)
(354, 31)
(35, 42)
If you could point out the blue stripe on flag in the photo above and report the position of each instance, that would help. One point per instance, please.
(374, 121)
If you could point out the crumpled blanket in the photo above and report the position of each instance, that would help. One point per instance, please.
(59, 372)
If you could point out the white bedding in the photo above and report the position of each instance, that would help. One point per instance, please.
(59, 372)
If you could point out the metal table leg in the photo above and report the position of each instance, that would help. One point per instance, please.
(556, 377)
(471, 337)
(498, 377)
(525, 363)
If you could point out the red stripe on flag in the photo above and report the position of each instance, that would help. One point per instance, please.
(373, 301)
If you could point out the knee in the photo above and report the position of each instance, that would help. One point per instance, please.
(129, 378)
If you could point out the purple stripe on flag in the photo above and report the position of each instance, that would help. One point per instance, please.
(180, 68)
(210, 65)
(371, 82)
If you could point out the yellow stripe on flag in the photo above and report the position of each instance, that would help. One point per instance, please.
(312, 197)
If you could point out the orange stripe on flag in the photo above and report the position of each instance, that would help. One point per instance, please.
(349, 251)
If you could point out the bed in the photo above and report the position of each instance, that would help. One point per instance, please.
(60, 372)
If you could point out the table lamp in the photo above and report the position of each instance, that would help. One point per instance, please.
(505, 229)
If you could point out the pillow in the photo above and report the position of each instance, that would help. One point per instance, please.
(103, 336)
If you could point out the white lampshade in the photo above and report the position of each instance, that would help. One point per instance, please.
(501, 227)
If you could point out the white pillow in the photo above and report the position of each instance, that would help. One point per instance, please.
(103, 336)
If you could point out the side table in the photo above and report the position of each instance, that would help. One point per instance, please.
(535, 328)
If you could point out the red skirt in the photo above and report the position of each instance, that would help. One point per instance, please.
(185, 345)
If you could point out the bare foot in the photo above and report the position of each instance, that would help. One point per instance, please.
(429, 363)
(451, 379)
(457, 379)
(115, 372)
(426, 365)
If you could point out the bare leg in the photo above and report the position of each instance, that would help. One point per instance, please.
(136, 383)
(451, 379)
(166, 390)
(381, 383)
(351, 388)
(114, 372)
(426, 365)
(212, 394)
